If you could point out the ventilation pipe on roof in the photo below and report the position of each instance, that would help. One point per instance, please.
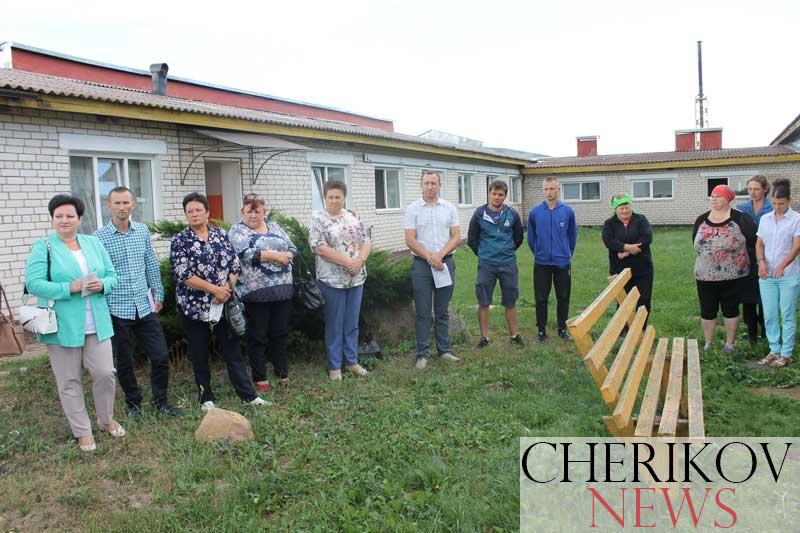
(158, 72)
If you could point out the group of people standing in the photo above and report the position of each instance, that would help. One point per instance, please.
(748, 256)
(106, 288)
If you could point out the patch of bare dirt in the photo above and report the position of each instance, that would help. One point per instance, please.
(792, 392)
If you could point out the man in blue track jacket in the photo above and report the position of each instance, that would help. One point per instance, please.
(552, 236)
(495, 233)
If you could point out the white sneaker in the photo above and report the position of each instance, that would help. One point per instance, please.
(207, 406)
(258, 401)
(447, 356)
(335, 375)
(421, 363)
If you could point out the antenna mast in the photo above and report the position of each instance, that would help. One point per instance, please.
(700, 101)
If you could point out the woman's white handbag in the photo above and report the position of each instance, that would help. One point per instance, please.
(40, 320)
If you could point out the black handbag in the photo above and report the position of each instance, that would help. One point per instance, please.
(306, 291)
(235, 317)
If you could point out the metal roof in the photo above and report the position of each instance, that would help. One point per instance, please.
(18, 80)
(660, 157)
(130, 70)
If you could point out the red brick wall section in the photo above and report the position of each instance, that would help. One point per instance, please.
(54, 66)
(684, 142)
(587, 147)
(711, 140)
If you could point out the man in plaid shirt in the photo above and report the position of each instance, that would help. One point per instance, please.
(134, 303)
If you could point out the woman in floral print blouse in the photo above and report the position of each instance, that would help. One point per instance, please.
(724, 240)
(266, 253)
(205, 267)
(341, 244)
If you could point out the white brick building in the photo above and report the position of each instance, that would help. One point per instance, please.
(669, 188)
(65, 135)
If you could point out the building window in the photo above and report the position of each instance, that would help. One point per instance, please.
(737, 183)
(580, 190)
(465, 189)
(322, 175)
(387, 188)
(489, 180)
(650, 189)
(516, 190)
(92, 178)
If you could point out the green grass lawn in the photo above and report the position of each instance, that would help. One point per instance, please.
(400, 450)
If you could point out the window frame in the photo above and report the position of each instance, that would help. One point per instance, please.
(400, 195)
(124, 178)
(727, 178)
(650, 180)
(580, 184)
(326, 166)
(515, 181)
(461, 185)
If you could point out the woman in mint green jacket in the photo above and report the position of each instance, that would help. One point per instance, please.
(78, 264)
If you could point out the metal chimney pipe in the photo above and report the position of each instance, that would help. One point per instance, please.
(700, 96)
(158, 71)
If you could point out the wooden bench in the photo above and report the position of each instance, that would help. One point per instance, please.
(672, 403)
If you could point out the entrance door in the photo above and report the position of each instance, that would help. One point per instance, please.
(224, 189)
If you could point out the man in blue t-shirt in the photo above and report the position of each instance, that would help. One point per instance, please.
(495, 233)
(552, 236)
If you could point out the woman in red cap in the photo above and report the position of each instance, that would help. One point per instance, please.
(724, 240)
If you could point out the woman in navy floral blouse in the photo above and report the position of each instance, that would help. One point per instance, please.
(266, 253)
(205, 263)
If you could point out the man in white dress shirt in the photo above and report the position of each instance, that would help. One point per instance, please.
(432, 233)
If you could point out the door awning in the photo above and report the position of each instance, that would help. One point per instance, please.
(252, 140)
(236, 142)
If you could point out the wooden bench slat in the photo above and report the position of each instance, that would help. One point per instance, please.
(627, 399)
(580, 325)
(697, 428)
(669, 414)
(612, 383)
(597, 355)
(647, 413)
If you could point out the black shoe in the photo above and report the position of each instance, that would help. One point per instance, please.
(541, 338)
(484, 342)
(517, 339)
(169, 410)
(564, 335)
(134, 410)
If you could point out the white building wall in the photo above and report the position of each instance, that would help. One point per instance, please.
(34, 166)
(690, 197)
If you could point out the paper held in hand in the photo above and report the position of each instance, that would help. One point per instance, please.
(215, 313)
(441, 278)
(86, 280)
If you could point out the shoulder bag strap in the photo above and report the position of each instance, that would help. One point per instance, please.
(5, 299)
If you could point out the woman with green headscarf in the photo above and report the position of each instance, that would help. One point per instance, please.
(628, 235)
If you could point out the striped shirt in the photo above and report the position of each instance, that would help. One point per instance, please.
(137, 268)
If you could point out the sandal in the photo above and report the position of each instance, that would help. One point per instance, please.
(769, 359)
(358, 370)
(87, 447)
(118, 431)
(781, 362)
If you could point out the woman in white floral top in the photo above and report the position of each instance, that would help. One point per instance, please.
(341, 244)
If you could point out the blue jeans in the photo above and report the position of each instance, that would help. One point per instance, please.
(342, 309)
(780, 295)
(425, 295)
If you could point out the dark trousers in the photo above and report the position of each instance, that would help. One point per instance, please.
(426, 295)
(268, 324)
(150, 336)
(543, 277)
(645, 285)
(753, 318)
(198, 340)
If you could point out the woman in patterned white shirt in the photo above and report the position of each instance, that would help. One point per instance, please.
(341, 244)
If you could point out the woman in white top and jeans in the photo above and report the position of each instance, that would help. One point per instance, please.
(779, 274)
